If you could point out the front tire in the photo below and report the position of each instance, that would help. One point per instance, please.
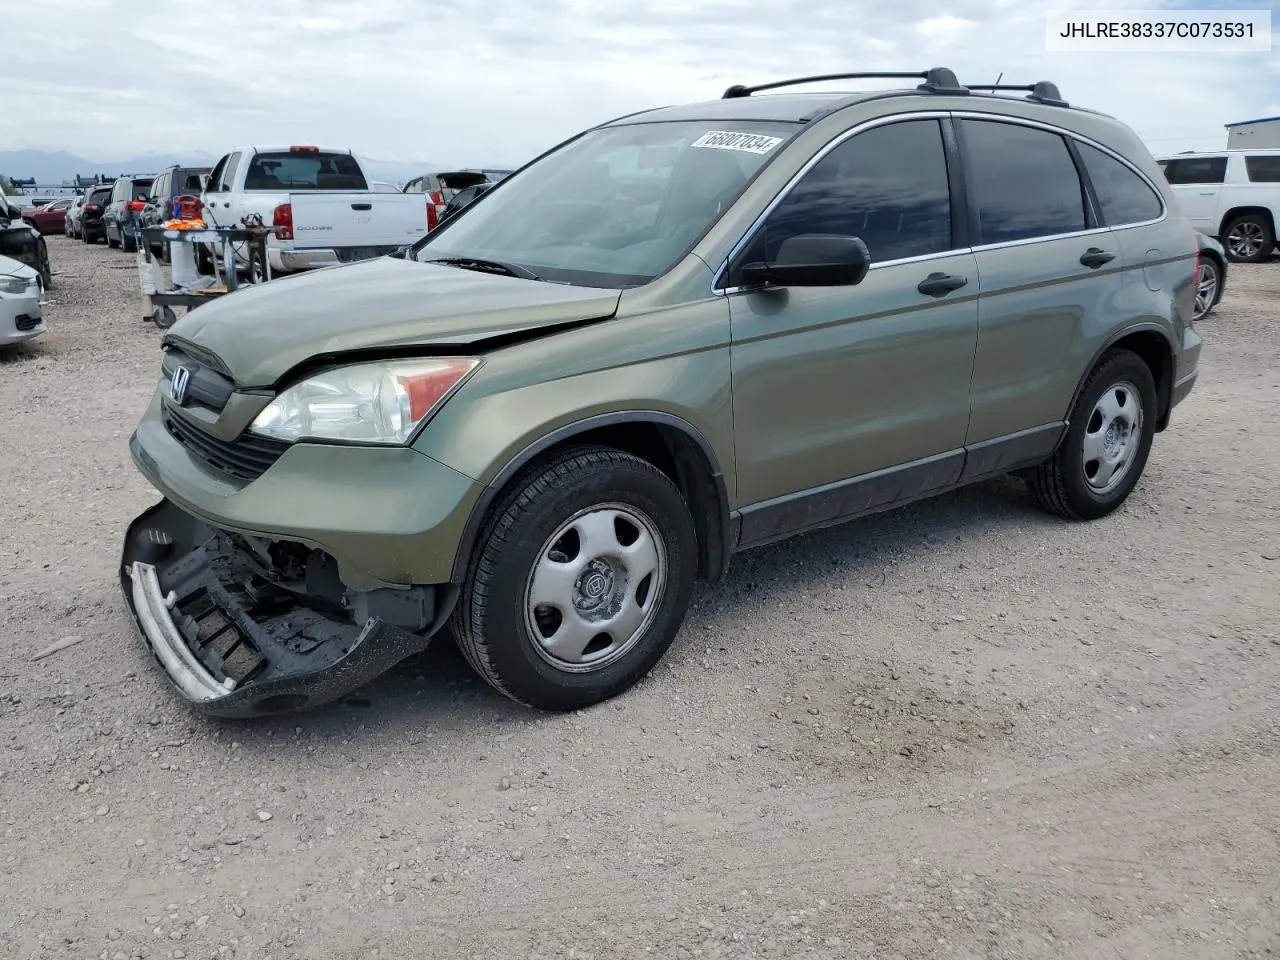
(580, 582)
(1105, 449)
(1249, 238)
(45, 267)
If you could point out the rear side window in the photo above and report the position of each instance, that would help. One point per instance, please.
(1183, 170)
(1022, 181)
(1263, 169)
(1123, 195)
(887, 185)
(304, 171)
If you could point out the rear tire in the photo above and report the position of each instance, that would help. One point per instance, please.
(1105, 449)
(580, 581)
(1249, 238)
(1208, 281)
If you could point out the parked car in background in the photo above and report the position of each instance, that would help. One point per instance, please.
(50, 217)
(1211, 275)
(439, 188)
(128, 198)
(1232, 195)
(71, 222)
(21, 312)
(170, 183)
(319, 201)
(23, 242)
(89, 223)
(541, 425)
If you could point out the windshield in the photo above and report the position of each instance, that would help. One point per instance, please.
(616, 207)
(305, 171)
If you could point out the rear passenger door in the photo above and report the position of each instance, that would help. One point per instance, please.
(853, 397)
(1197, 183)
(1050, 278)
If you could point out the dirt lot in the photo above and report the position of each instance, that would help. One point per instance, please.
(961, 730)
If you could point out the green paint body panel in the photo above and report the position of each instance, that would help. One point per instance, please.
(787, 389)
(389, 516)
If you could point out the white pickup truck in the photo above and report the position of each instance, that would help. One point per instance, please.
(323, 206)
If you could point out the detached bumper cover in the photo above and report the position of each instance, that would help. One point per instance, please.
(231, 644)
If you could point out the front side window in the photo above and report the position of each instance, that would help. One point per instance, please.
(887, 186)
(1184, 170)
(1263, 169)
(1123, 195)
(1023, 182)
(616, 207)
(304, 171)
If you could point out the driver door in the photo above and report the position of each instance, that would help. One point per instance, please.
(846, 399)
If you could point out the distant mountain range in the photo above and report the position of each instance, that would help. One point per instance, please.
(51, 168)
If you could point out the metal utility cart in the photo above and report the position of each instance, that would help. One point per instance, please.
(159, 300)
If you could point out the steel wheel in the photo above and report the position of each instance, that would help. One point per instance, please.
(1206, 288)
(595, 587)
(1112, 437)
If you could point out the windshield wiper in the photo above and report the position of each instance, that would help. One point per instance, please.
(488, 266)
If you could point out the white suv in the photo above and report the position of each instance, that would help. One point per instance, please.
(1233, 195)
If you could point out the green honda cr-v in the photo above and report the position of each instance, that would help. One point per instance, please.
(677, 335)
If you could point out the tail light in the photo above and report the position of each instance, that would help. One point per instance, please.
(282, 220)
(91, 208)
(135, 206)
(433, 218)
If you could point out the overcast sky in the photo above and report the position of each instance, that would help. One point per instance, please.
(478, 81)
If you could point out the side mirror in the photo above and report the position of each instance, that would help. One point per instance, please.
(812, 260)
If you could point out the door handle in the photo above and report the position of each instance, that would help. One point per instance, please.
(362, 206)
(1093, 258)
(940, 284)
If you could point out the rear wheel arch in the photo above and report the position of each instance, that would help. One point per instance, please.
(1245, 211)
(1150, 342)
(670, 443)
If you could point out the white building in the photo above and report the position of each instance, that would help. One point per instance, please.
(1261, 134)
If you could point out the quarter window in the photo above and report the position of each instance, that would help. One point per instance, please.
(1183, 170)
(887, 185)
(1263, 169)
(1022, 181)
(1123, 195)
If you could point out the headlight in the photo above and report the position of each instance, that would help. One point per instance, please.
(14, 285)
(368, 402)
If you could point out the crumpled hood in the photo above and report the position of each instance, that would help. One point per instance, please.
(262, 331)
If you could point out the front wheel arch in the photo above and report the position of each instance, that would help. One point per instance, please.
(670, 443)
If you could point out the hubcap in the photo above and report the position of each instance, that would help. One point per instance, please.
(595, 587)
(1245, 239)
(1112, 437)
(1206, 288)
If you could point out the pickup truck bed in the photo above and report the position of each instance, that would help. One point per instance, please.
(320, 201)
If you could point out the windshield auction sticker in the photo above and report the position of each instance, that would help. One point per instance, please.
(745, 142)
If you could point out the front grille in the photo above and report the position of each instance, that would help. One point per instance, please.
(247, 457)
(208, 386)
(25, 322)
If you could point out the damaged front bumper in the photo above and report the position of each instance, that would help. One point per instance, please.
(236, 639)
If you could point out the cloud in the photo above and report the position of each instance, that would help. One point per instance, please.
(470, 82)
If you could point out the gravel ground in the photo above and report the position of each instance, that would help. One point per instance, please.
(959, 730)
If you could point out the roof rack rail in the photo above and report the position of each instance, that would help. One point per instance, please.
(936, 80)
(1042, 91)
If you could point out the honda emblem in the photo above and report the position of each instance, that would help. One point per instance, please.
(178, 384)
